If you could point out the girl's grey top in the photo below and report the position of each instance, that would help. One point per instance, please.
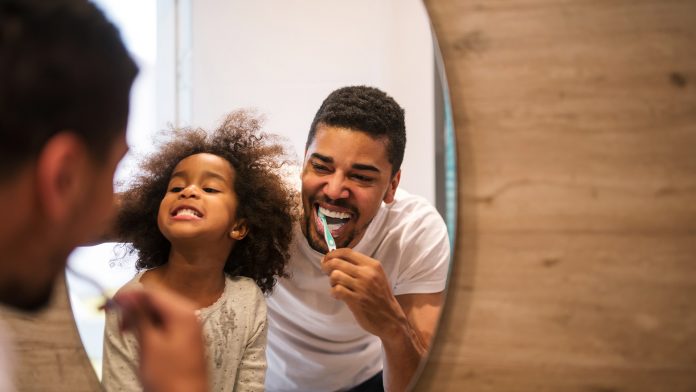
(234, 328)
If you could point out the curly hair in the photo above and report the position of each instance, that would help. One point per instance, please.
(365, 109)
(266, 202)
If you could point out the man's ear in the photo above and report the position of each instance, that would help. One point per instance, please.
(239, 231)
(393, 184)
(61, 169)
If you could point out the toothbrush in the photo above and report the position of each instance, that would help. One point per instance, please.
(327, 233)
(109, 303)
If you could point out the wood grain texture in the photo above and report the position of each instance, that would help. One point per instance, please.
(576, 262)
(49, 352)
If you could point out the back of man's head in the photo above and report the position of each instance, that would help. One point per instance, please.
(63, 67)
(65, 79)
(365, 109)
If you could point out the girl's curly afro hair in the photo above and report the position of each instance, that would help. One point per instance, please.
(266, 202)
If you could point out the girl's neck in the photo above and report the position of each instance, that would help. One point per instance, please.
(198, 277)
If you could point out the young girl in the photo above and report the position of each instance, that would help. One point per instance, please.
(210, 219)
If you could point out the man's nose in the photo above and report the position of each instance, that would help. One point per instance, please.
(335, 187)
(191, 191)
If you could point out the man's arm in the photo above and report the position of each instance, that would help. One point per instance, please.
(401, 359)
(405, 325)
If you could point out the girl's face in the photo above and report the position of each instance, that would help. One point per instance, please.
(200, 202)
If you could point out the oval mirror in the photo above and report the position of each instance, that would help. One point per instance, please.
(200, 60)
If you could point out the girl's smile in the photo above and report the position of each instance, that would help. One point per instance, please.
(186, 212)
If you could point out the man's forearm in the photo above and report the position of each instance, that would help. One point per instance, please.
(403, 352)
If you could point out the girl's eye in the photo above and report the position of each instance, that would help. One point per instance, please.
(176, 189)
(210, 190)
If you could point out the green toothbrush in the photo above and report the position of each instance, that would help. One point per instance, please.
(327, 233)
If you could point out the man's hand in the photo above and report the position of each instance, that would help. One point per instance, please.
(170, 338)
(405, 324)
(360, 282)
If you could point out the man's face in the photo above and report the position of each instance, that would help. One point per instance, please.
(99, 199)
(346, 175)
(91, 214)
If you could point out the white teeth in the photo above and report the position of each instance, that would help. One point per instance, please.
(187, 212)
(334, 214)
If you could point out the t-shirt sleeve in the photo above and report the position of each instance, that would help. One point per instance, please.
(251, 372)
(120, 358)
(425, 257)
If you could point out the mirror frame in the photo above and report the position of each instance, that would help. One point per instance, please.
(574, 262)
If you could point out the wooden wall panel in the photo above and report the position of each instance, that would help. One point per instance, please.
(576, 262)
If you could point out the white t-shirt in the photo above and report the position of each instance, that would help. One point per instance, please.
(314, 343)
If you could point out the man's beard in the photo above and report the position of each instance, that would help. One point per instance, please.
(12, 294)
(35, 295)
(319, 244)
(315, 240)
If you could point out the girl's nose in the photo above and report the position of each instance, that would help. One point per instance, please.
(189, 192)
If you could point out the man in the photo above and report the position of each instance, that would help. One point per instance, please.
(65, 81)
(371, 305)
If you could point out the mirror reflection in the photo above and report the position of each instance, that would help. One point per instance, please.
(199, 62)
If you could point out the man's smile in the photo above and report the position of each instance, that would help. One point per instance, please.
(336, 218)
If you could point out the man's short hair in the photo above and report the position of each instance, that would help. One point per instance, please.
(63, 66)
(365, 109)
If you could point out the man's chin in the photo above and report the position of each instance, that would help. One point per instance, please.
(27, 302)
(316, 240)
(317, 244)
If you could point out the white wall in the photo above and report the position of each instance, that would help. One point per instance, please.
(284, 57)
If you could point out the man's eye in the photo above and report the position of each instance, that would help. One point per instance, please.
(361, 178)
(210, 190)
(320, 168)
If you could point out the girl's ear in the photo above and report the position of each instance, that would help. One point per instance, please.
(239, 231)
